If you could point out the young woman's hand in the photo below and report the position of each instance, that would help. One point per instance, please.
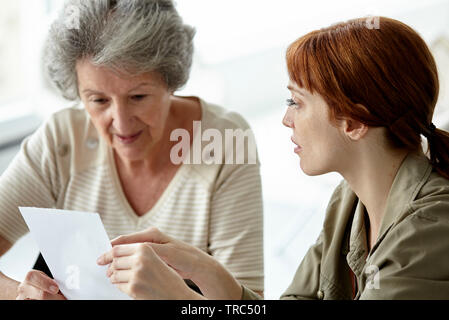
(169, 255)
(139, 272)
(38, 286)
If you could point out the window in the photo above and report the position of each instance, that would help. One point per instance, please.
(10, 74)
(23, 28)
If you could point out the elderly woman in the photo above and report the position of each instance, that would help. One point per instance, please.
(360, 100)
(111, 153)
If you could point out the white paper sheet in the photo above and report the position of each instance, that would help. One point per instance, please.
(70, 243)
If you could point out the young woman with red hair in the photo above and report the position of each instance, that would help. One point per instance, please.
(361, 98)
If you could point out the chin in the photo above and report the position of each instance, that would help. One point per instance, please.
(133, 152)
(130, 153)
(130, 156)
(312, 170)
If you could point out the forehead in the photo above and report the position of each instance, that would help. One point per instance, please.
(101, 78)
(294, 88)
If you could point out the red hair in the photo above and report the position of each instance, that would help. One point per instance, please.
(382, 77)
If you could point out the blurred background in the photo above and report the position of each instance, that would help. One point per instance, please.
(239, 64)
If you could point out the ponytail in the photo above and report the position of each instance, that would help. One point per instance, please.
(438, 149)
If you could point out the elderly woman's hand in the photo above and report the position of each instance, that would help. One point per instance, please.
(156, 253)
(38, 286)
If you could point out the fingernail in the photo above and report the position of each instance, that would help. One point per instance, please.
(100, 260)
(54, 289)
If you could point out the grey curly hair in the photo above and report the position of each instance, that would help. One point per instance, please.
(132, 36)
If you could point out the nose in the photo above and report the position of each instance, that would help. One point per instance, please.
(288, 118)
(122, 118)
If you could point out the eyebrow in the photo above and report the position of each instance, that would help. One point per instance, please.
(140, 85)
(289, 87)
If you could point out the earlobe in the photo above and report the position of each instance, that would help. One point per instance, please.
(354, 130)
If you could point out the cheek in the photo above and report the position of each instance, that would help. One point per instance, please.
(101, 122)
(155, 115)
(327, 150)
(151, 119)
(304, 130)
(153, 111)
(320, 147)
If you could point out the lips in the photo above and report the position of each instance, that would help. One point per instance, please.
(128, 139)
(298, 147)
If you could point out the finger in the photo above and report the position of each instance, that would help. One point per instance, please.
(168, 255)
(59, 296)
(163, 251)
(149, 235)
(41, 281)
(124, 287)
(109, 272)
(117, 251)
(29, 292)
(48, 296)
(121, 276)
(105, 258)
(122, 263)
(131, 238)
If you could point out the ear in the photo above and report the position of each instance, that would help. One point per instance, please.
(354, 130)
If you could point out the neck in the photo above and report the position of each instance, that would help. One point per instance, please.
(135, 168)
(371, 176)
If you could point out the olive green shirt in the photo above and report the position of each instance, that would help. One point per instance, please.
(409, 260)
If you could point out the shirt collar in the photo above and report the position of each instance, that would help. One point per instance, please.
(411, 176)
(358, 248)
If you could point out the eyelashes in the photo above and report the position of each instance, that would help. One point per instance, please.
(290, 102)
(139, 97)
(136, 98)
(99, 101)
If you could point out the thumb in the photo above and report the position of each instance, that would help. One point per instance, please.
(164, 251)
(174, 257)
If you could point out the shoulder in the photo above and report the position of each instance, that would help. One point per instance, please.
(65, 125)
(424, 228)
(217, 117)
(231, 157)
(72, 117)
(428, 215)
(340, 206)
(423, 220)
(228, 125)
(59, 129)
(342, 193)
(432, 200)
(72, 136)
(412, 258)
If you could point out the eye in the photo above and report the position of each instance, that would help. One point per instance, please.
(138, 97)
(100, 101)
(292, 103)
